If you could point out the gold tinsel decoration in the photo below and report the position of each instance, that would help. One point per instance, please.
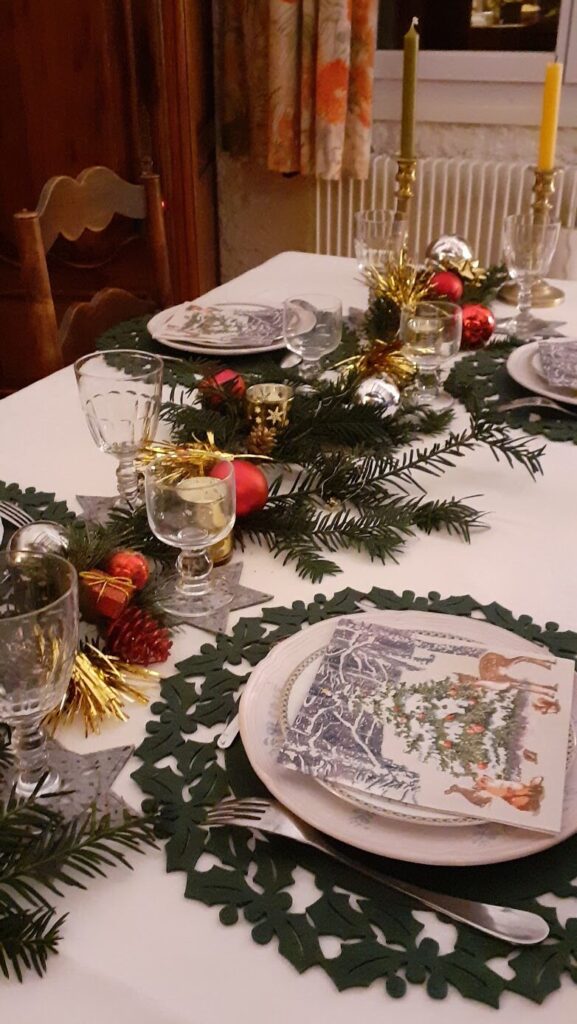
(261, 440)
(384, 358)
(181, 461)
(400, 281)
(99, 689)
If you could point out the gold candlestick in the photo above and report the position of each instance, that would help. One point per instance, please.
(405, 177)
(543, 294)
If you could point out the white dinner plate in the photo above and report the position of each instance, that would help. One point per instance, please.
(232, 328)
(260, 717)
(521, 366)
(295, 690)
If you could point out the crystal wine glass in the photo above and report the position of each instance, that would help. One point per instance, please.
(38, 641)
(120, 392)
(431, 334)
(325, 313)
(191, 514)
(376, 238)
(529, 246)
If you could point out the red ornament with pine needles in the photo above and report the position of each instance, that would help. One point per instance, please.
(478, 325)
(224, 384)
(130, 564)
(138, 638)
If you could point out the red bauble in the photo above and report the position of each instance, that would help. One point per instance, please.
(250, 484)
(478, 325)
(447, 285)
(225, 383)
(131, 565)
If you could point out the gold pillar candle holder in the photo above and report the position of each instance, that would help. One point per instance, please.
(543, 294)
(268, 405)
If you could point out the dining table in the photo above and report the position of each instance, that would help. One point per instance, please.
(135, 950)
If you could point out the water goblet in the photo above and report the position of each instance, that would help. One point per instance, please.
(431, 335)
(378, 236)
(323, 336)
(38, 641)
(528, 246)
(191, 513)
(120, 392)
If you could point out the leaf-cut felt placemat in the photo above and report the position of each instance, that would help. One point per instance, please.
(481, 382)
(381, 941)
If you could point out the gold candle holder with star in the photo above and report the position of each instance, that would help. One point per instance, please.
(267, 410)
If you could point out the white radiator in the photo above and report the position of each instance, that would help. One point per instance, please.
(452, 196)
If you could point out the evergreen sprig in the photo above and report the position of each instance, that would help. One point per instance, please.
(40, 854)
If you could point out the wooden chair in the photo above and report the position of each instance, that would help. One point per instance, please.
(68, 207)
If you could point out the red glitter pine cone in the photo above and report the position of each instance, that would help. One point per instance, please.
(136, 637)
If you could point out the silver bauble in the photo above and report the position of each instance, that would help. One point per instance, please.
(451, 247)
(44, 537)
(381, 391)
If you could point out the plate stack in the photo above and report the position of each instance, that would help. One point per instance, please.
(417, 736)
(226, 328)
(548, 368)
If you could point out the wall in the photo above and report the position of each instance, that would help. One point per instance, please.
(262, 214)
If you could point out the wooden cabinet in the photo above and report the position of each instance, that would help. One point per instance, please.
(124, 83)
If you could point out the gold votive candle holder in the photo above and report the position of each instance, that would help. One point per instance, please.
(221, 552)
(268, 405)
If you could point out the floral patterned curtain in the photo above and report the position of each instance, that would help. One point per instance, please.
(296, 83)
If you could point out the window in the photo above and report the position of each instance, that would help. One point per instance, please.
(480, 65)
(486, 25)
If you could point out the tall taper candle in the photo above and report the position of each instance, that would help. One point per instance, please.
(411, 49)
(550, 116)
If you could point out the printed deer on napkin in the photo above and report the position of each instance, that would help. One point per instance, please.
(438, 721)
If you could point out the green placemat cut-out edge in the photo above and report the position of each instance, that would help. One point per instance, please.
(481, 383)
(381, 941)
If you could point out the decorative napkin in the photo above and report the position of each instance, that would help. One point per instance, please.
(559, 363)
(247, 324)
(438, 721)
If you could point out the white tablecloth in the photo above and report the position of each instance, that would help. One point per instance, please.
(134, 950)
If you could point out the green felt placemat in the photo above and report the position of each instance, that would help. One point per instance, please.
(380, 939)
(481, 383)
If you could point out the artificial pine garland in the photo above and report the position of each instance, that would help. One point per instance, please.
(40, 853)
(350, 490)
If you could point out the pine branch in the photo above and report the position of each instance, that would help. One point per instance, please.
(90, 543)
(27, 937)
(66, 853)
(452, 515)
(294, 528)
(40, 853)
(513, 449)
(486, 289)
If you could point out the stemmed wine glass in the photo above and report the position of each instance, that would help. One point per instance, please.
(191, 513)
(38, 641)
(324, 314)
(377, 237)
(120, 392)
(431, 335)
(529, 246)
